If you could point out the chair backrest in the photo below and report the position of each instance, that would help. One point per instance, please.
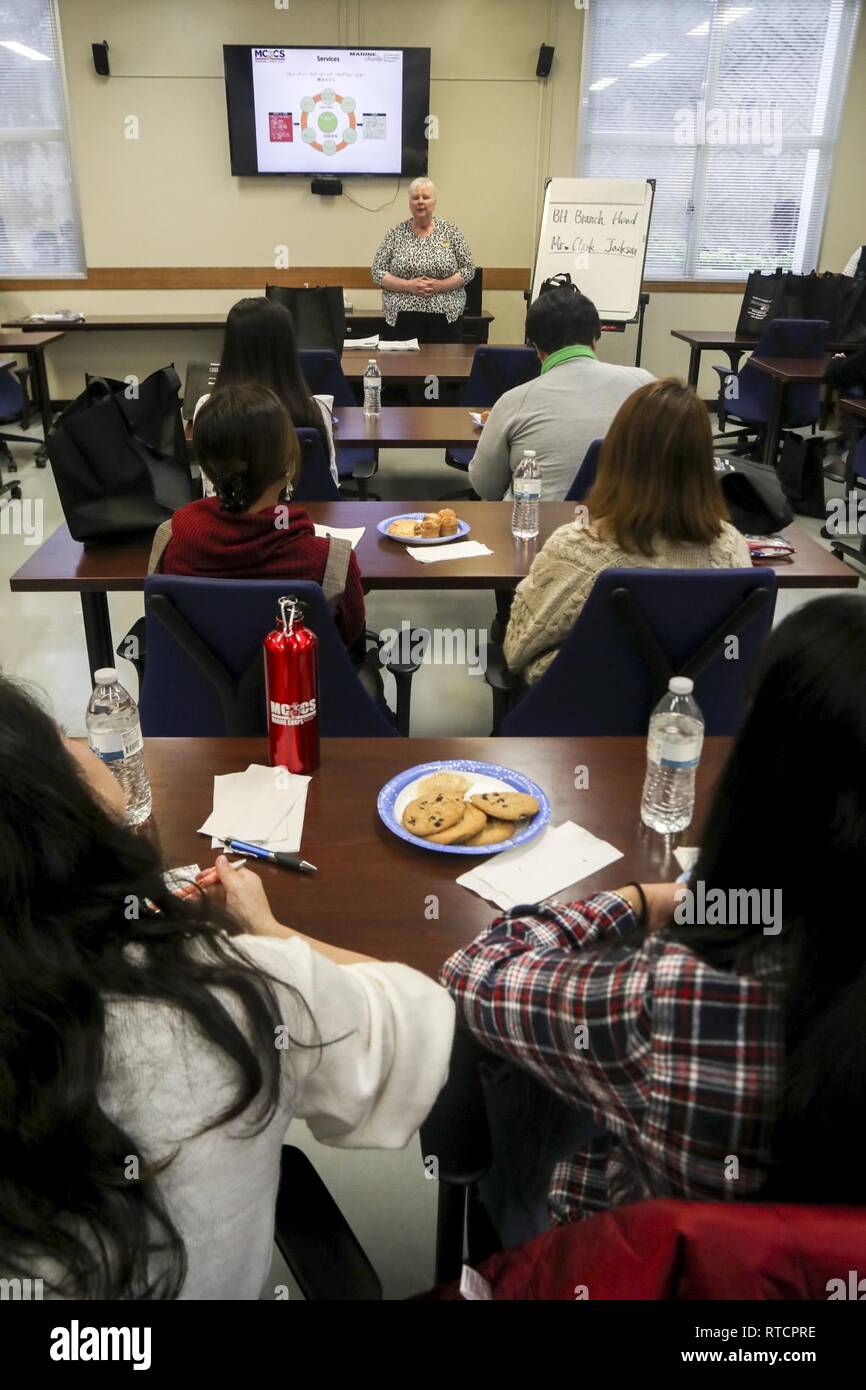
(11, 396)
(495, 371)
(183, 693)
(585, 475)
(689, 614)
(318, 312)
(805, 338)
(474, 292)
(858, 462)
(315, 482)
(200, 379)
(323, 373)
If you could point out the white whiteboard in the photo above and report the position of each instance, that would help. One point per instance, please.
(596, 229)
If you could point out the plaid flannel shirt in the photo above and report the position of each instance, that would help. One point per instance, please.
(680, 1062)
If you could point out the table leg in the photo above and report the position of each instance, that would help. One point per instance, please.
(694, 365)
(97, 630)
(774, 424)
(44, 402)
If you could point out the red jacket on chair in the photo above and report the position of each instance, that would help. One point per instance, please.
(663, 1249)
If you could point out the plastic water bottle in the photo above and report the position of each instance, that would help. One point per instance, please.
(526, 488)
(676, 737)
(114, 735)
(372, 388)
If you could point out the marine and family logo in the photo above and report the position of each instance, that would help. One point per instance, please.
(290, 715)
(696, 905)
(269, 55)
(77, 1343)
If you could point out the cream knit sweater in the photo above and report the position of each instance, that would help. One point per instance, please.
(547, 602)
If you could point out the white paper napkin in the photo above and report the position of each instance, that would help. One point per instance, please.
(343, 533)
(399, 345)
(458, 550)
(366, 343)
(264, 805)
(559, 856)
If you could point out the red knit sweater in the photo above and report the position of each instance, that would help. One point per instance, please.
(209, 542)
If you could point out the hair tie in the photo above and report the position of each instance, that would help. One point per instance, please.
(233, 496)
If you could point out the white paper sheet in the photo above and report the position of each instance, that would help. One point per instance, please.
(264, 805)
(559, 856)
(343, 533)
(399, 345)
(368, 344)
(458, 550)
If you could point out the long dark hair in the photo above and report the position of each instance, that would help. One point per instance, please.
(260, 346)
(789, 814)
(68, 874)
(245, 442)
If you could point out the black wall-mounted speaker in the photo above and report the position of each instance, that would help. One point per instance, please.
(328, 186)
(100, 58)
(545, 60)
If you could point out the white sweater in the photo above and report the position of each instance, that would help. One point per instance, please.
(370, 1089)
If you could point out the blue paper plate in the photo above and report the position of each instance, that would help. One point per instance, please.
(463, 529)
(394, 796)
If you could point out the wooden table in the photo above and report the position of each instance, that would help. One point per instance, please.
(854, 405)
(62, 565)
(360, 323)
(402, 427)
(785, 372)
(734, 345)
(371, 889)
(450, 361)
(32, 345)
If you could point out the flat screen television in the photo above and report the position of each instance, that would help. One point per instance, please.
(327, 110)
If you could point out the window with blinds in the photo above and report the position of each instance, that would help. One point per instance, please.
(733, 110)
(40, 231)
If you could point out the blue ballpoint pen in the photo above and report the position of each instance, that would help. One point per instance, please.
(285, 861)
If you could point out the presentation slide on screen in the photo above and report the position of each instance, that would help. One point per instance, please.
(324, 112)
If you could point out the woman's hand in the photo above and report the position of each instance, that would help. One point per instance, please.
(244, 896)
(661, 899)
(422, 287)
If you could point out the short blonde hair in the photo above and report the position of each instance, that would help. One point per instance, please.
(420, 182)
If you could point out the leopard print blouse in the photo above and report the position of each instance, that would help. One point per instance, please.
(439, 256)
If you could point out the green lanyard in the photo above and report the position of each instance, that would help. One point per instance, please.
(566, 354)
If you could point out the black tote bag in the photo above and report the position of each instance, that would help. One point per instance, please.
(756, 503)
(759, 301)
(801, 474)
(119, 458)
(319, 314)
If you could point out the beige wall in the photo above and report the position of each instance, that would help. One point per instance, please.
(169, 199)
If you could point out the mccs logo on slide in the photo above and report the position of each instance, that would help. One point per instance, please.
(269, 55)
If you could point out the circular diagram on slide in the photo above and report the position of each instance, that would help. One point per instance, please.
(320, 119)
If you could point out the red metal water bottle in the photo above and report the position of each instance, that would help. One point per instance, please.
(292, 691)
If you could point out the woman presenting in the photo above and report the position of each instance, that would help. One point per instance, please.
(423, 267)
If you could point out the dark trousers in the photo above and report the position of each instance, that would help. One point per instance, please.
(427, 328)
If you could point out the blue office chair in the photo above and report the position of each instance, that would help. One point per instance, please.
(855, 481)
(323, 373)
(15, 408)
(637, 629)
(495, 370)
(204, 674)
(315, 482)
(750, 400)
(585, 475)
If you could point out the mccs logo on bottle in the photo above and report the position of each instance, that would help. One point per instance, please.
(290, 715)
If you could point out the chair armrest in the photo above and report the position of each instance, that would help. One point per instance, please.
(315, 1239)
(724, 372)
(416, 642)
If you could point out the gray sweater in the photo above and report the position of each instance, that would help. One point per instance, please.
(558, 415)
